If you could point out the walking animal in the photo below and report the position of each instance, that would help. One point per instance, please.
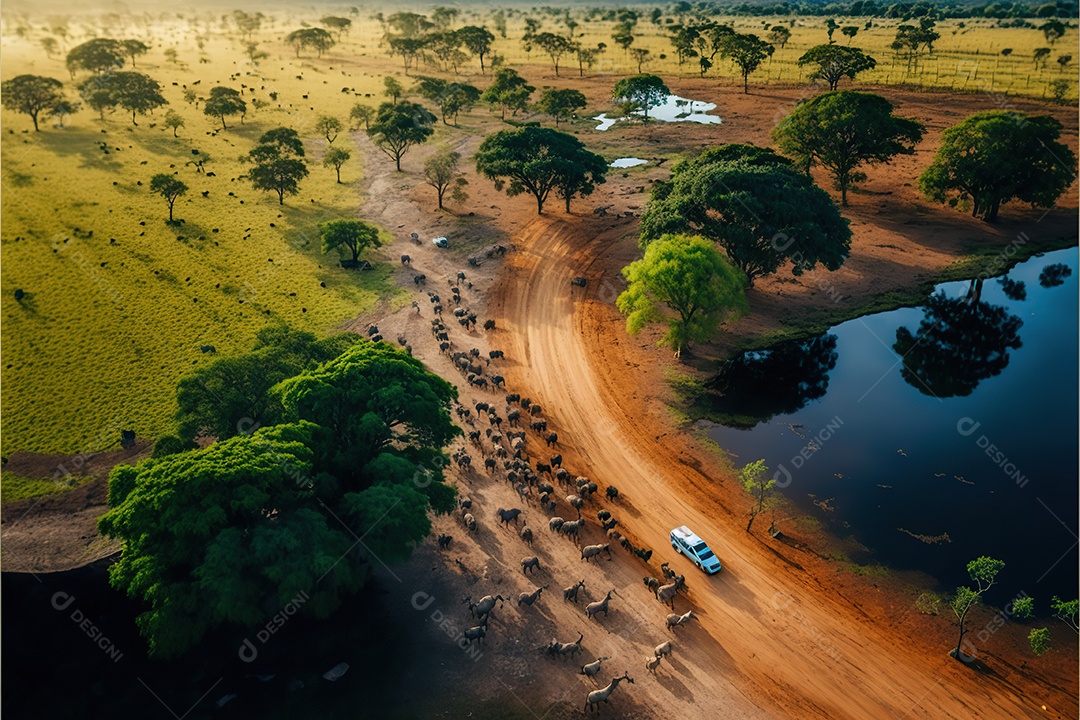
(565, 650)
(599, 606)
(601, 696)
(571, 592)
(530, 598)
(662, 649)
(652, 662)
(505, 516)
(667, 593)
(592, 668)
(674, 621)
(527, 535)
(529, 564)
(590, 551)
(470, 522)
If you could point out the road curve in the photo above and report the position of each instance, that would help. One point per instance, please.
(793, 647)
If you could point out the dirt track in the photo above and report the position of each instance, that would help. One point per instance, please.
(794, 645)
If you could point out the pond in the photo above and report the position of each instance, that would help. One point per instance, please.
(933, 435)
(673, 109)
(627, 162)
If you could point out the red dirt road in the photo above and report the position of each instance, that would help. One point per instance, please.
(791, 644)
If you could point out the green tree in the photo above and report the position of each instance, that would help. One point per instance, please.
(756, 205)
(97, 56)
(451, 97)
(440, 170)
(353, 235)
(755, 480)
(1039, 56)
(50, 46)
(834, 62)
(747, 51)
(1063, 61)
(30, 94)
(844, 130)
(63, 108)
(328, 126)
(229, 396)
(560, 103)
(508, 91)
(914, 41)
(134, 48)
(392, 89)
(410, 50)
(643, 91)
(689, 277)
(641, 56)
(539, 160)
(1040, 640)
(831, 26)
(278, 163)
(779, 35)
(398, 127)
(1052, 30)
(340, 25)
(335, 158)
(983, 572)
(1066, 611)
(168, 187)
(224, 101)
(361, 113)
(173, 120)
(1023, 607)
(997, 156)
(129, 90)
(556, 46)
(315, 38)
(478, 41)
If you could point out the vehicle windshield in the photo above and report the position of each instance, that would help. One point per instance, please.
(700, 546)
(706, 555)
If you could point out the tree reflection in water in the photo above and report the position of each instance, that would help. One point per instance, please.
(959, 343)
(757, 385)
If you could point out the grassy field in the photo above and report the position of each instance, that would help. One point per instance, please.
(117, 303)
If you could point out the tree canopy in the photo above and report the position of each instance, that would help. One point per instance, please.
(440, 169)
(689, 277)
(30, 94)
(834, 62)
(560, 103)
(132, 91)
(315, 38)
(353, 235)
(451, 97)
(997, 156)
(539, 160)
(278, 163)
(169, 187)
(756, 205)
(478, 40)
(397, 127)
(224, 101)
(983, 571)
(508, 91)
(747, 51)
(643, 92)
(97, 56)
(844, 130)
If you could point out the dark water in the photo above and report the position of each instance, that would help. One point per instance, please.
(955, 422)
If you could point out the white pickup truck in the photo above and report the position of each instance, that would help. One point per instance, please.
(687, 543)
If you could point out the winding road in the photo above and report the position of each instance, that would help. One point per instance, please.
(784, 642)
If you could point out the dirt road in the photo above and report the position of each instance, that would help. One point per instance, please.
(794, 646)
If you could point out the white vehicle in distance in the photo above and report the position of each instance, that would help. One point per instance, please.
(687, 543)
(440, 242)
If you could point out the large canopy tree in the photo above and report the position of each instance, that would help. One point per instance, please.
(478, 41)
(97, 56)
(508, 91)
(997, 156)
(132, 91)
(831, 63)
(747, 51)
(451, 97)
(168, 187)
(30, 94)
(641, 92)
(756, 205)
(315, 38)
(278, 163)
(397, 128)
(560, 103)
(689, 277)
(843, 130)
(539, 160)
(228, 535)
(224, 101)
(352, 235)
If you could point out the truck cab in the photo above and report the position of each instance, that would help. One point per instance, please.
(689, 544)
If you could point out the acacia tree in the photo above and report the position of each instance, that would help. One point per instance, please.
(451, 97)
(554, 45)
(983, 571)
(398, 127)
(843, 130)
(392, 89)
(779, 35)
(539, 160)
(278, 162)
(173, 120)
(224, 101)
(97, 56)
(834, 62)
(316, 38)
(508, 91)
(30, 94)
(361, 113)
(756, 205)
(560, 103)
(642, 91)
(478, 41)
(688, 276)
(755, 481)
(129, 90)
(353, 235)
(328, 126)
(747, 51)
(440, 170)
(169, 187)
(997, 156)
(134, 48)
(340, 25)
(335, 158)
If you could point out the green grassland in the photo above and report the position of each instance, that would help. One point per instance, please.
(966, 59)
(110, 322)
